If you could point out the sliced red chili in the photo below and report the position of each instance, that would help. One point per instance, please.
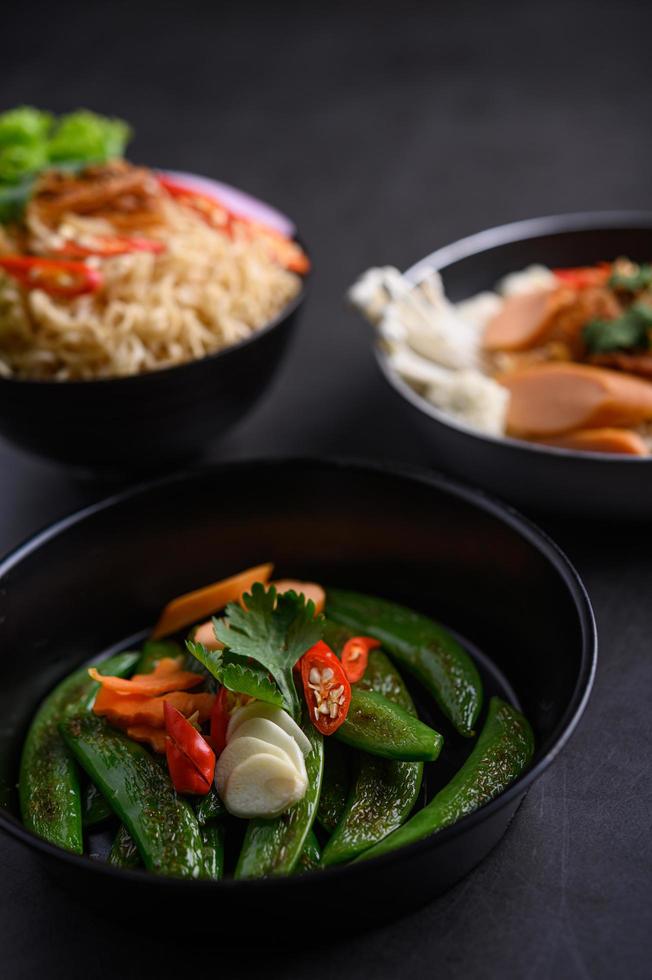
(57, 277)
(583, 277)
(326, 688)
(355, 656)
(191, 760)
(109, 245)
(209, 208)
(281, 249)
(226, 702)
(219, 720)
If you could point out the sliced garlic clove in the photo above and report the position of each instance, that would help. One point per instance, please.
(237, 751)
(263, 786)
(260, 709)
(267, 731)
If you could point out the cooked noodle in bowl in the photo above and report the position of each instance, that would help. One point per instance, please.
(208, 280)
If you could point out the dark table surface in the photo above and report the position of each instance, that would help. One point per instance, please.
(384, 134)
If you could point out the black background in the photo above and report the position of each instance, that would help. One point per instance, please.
(386, 130)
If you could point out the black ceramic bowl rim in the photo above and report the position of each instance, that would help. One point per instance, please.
(476, 244)
(131, 379)
(477, 498)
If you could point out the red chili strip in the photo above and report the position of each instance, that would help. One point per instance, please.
(355, 656)
(191, 760)
(109, 245)
(54, 276)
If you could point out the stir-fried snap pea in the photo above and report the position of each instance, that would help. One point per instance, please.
(378, 726)
(50, 798)
(161, 823)
(383, 791)
(273, 847)
(310, 858)
(421, 646)
(213, 838)
(124, 853)
(95, 809)
(209, 808)
(503, 750)
(335, 784)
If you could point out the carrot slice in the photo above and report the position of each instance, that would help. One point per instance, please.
(548, 399)
(164, 666)
(205, 634)
(148, 685)
(193, 606)
(129, 711)
(154, 737)
(607, 440)
(311, 590)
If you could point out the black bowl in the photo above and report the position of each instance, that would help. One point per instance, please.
(146, 421)
(534, 477)
(97, 579)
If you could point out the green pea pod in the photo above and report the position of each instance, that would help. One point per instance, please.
(210, 808)
(335, 785)
(153, 651)
(503, 750)
(162, 824)
(310, 858)
(384, 791)
(379, 727)
(95, 809)
(213, 838)
(273, 847)
(50, 798)
(124, 853)
(422, 647)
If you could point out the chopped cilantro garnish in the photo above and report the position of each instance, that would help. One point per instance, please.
(262, 644)
(627, 332)
(236, 674)
(639, 278)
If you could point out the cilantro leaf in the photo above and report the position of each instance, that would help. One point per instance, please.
(275, 631)
(230, 670)
(638, 277)
(627, 332)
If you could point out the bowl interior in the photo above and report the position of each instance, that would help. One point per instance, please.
(101, 579)
(471, 265)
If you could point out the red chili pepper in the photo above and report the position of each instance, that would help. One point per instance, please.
(209, 208)
(583, 277)
(219, 720)
(191, 760)
(282, 249)
(226, 702)
(326, 687)
(108, 245)
(54, 276)
(355, 656)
